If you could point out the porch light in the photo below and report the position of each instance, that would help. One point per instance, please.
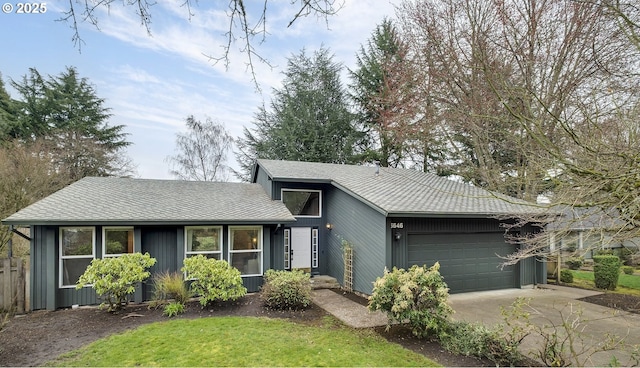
(329, 226)
(397, 236)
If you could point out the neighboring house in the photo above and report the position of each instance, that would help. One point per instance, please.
(582, 230)
(292, 215)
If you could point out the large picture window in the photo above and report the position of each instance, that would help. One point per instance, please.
(303, 203)
(245, 249)
(205, 240)
(117, 241)
(77, 249)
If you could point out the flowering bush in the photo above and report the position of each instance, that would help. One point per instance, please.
(418, 295)
(213, 279)
(115, 278)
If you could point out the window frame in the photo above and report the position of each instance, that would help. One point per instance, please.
(62, 257)
(283, 190)
(188, 253)
(104, 240)
(259, 249)
(287, 248)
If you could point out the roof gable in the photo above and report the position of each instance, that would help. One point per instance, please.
(107, 200)
(394, 191)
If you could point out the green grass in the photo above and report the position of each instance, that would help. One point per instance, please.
(242, 341)
(627, 284)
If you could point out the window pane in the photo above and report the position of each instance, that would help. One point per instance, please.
(245, 239)
(203, 239)
(248, 263)
(77, 242)
(118, 241)
(72, 269)
(302, 203)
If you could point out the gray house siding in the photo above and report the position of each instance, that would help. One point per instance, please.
(364, 228)
(164, 243)
(263, 179)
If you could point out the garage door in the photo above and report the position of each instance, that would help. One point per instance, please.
(468, 262)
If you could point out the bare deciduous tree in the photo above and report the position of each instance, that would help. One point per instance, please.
(201, 152)
(247, 21)
(536, 98)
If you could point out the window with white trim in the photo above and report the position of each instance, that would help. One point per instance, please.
(205, 240)
(77, 250)
(314, 248)
(245, 249)
(303, 202)
(287, 249)
(117, 240)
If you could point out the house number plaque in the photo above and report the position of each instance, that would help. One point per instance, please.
(397, 225)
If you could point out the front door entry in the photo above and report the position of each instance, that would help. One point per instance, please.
(301, 248)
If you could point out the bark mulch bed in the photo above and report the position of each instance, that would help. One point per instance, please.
(37, 337)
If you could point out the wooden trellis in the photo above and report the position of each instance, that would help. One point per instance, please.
(348, 269)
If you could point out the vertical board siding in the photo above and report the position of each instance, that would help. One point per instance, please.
(38, 250)
(365, 229)
(161, 243)
(253, 284)
(263, 179)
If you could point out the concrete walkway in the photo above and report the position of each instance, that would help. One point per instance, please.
(548, 306)
(349, 312)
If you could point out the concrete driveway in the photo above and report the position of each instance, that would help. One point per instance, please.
(550, 306)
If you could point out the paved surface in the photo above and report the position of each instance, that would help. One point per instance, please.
(547, 306)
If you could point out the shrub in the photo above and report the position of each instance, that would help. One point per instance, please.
(286, 290)
(628, 270)
(173, 309)
(606, 270)
(472, 339)
(213, 279)
(170, 285)
(566, 276)
(574, 263)
(418, 295)
(115, 278)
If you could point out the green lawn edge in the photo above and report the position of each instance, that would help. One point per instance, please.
(242, 341)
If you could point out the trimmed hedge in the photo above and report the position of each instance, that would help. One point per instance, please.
(574, 263)
(628, 270)
(606, 270)
(286, 289)
(566, 276)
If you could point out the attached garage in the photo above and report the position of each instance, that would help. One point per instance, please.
(468, 262)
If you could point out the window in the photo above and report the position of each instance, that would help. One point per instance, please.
(287, 249)
(314, 248)
(302, 203)
(77, 249)
(245, 249)
(205, 240)
(117, 241)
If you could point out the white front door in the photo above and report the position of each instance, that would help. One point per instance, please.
(301, 248)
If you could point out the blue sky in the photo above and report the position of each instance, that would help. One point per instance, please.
(152, 83)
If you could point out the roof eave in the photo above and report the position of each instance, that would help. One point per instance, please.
(451, 214)
(123, 222)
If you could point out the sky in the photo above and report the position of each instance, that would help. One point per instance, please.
(152, 82)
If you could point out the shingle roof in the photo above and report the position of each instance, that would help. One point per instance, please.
(144, 201)
(400, 191)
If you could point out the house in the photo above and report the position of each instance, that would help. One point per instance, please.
(291, 215)
(579, 231)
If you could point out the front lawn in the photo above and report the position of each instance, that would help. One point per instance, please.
(242, 341)
(627, 284)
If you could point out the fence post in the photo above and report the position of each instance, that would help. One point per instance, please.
(20, 286)
(7, 293)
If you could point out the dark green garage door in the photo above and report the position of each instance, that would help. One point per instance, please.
(468, 262)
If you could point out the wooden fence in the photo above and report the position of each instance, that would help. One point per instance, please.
(14, 285)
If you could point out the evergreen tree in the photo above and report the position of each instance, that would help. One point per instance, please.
(308, 119)
(66, 112)
(7, 111)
